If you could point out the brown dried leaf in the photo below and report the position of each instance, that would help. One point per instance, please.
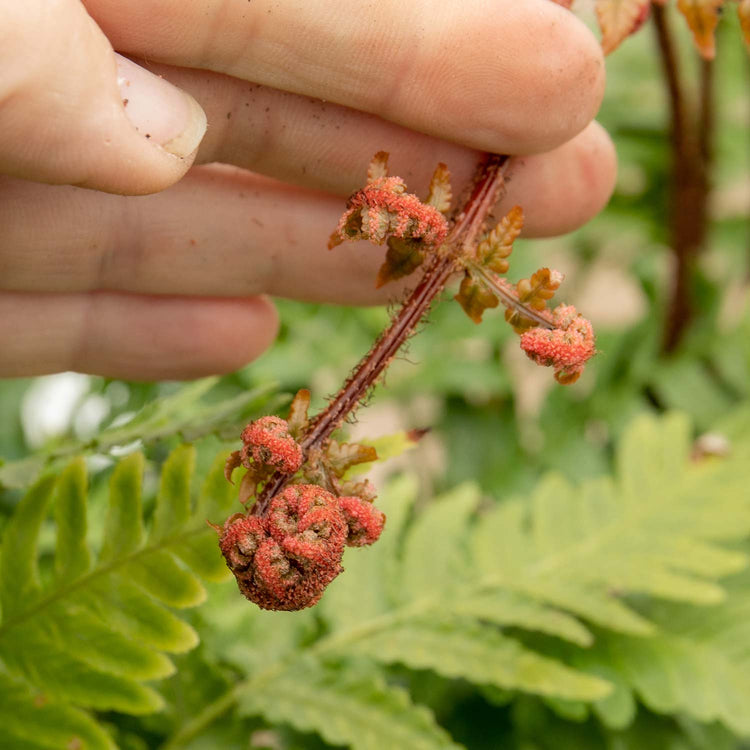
(702, 17)
(743, 10)
(342, 456)
(378, 167)
(403, 257)
(364, 489)
(565, 3)
(248, 487)
(475, 297)
(618, 19)
(298, 412)
(498, 244)
(232, 462)
(440, 189)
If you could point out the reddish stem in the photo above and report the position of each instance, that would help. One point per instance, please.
(691, 146)
(466, 226)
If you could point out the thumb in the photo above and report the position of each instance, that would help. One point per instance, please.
(72, 111)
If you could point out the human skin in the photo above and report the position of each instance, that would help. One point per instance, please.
(151, 257)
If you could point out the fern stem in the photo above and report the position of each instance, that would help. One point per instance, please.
(466, 226)
(691, 134)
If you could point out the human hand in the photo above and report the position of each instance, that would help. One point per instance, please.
(170, 285)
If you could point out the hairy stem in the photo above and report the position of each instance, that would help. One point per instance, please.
(466, 226)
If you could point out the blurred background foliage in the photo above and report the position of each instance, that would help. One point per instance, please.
(494, 417)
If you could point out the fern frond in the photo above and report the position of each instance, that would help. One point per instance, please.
(32, 722)
(463, 648)
(697, 664)
(187, 414)
(92, 630)
(654, 530)
(464, 597)
(363, 713)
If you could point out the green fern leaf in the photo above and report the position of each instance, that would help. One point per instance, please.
(72, 556)
(655, 530)
(371, 572)
(173, 506)
(32, 722)
(92, 633)
(698, 663)
(434, 555)
(187, 413)
(481, 655)
(441, 592)
(511, 609)
(361, 713)
(19, 571)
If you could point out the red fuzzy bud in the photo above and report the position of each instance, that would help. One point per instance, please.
(384, 209)
(285, 560)
(364, 520)
(268, 442)
(566, 348)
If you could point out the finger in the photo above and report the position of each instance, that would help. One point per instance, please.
(73, 112)
(562, 190)
(226, 232)
(326, 146)
(503, 76)
(131, 336)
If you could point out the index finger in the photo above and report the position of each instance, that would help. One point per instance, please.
(496, 75)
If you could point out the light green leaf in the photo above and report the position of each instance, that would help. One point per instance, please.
(362, 714)
(19, 572)
(482, 655)
(363, 591)
(72, 556)
(697, 664)
(136, 614)
(189, 413)
(90, 635)
(163, 577)
(32, 721)
(173, 507)
(124, 529)
(655, 530)
(434, 556)
(512, 609)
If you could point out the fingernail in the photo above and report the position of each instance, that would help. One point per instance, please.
(160, 111)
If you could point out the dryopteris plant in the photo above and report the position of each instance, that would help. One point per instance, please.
(288, 547)
(586, 596)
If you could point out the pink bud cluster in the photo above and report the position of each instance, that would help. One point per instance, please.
(268, 443)
(384, 209)
(285, 559)
(566, 348)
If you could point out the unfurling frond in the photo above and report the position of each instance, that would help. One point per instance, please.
(494, 249)
(383, 209)
(533, 293)
(566, 348)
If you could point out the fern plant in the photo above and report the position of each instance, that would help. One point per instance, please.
(591, 598)
(88, 631)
